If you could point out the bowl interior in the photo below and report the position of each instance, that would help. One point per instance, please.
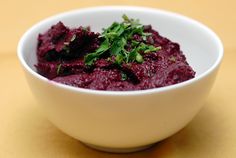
(200, 45)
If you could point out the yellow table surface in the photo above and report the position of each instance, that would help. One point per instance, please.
(26, 133)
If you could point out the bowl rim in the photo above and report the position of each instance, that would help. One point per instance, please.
(121, 93)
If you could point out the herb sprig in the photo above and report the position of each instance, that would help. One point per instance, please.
(115, 39)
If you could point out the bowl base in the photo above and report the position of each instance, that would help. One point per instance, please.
(118, 150)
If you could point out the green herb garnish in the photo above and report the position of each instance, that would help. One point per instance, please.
(115, 39)
(91, 57)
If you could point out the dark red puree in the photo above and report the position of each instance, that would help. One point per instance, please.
(61, 52)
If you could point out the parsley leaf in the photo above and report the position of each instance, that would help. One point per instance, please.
(91, 57)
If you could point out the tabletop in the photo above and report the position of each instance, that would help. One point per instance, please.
(26, 133)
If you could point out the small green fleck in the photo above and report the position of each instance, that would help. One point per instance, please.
(144, 38)
(66, 49)
(109, 59)
(151, 48)
(149, 73)
(66, 43)
(58, 69)
(123, 76)
(119, 59)
(73, 38)
(146, 33)
(126, 18)
(172, 59)
(139, 58)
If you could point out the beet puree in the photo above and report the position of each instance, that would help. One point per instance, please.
(61, 54)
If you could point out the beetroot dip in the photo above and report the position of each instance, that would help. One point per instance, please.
(61, 52)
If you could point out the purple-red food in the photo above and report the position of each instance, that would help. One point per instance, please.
(63, 56)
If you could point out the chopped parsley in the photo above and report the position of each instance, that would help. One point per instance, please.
(115, 40)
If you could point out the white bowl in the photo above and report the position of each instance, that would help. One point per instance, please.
(131, 120)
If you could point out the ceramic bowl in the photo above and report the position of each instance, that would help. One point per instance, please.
(127, 121)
